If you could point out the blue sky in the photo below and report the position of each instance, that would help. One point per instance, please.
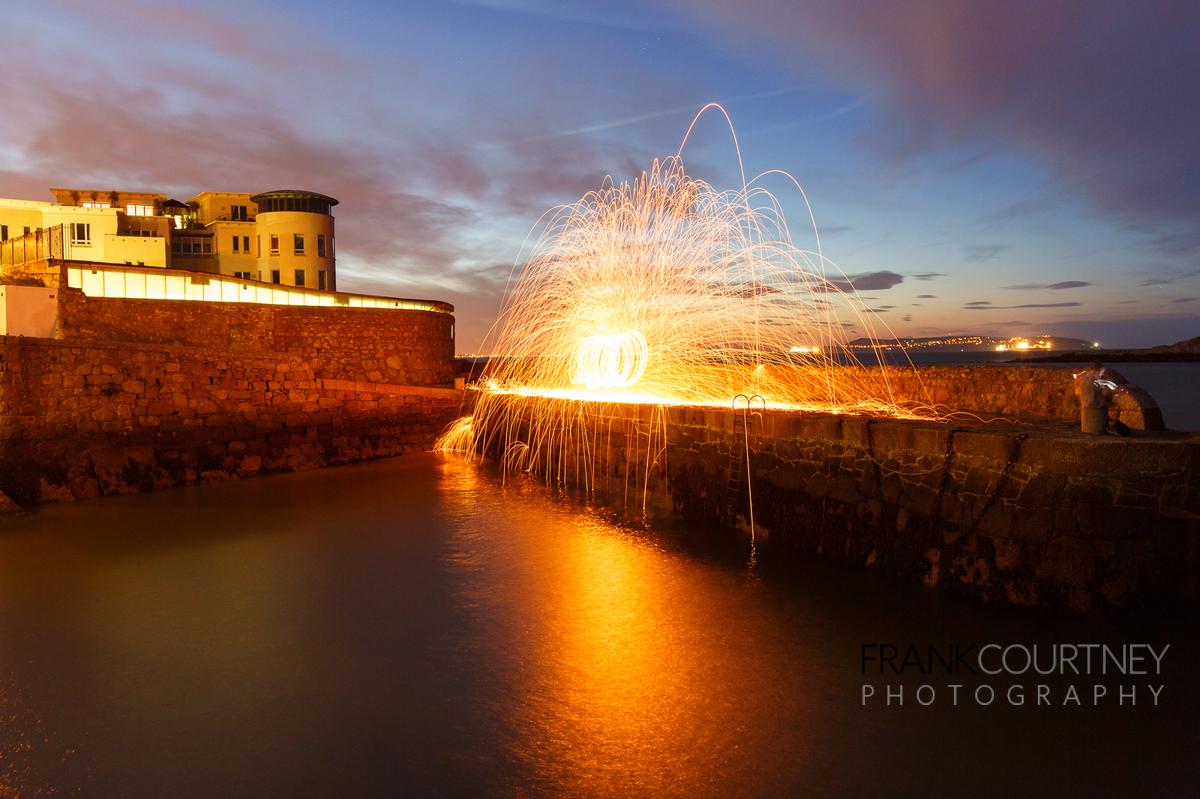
(1007, 153)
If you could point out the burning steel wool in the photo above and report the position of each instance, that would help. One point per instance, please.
(667, 291)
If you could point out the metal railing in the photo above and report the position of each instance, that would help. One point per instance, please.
(37, 245)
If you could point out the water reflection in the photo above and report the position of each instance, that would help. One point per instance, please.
(634, 680)
(416, 627)
(33, 759)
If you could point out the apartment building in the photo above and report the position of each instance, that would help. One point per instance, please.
(284, 237)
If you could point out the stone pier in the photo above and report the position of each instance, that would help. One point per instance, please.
(1017, 513)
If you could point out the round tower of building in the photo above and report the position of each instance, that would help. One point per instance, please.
(295, 239)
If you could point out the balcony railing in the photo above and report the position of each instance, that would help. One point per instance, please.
(37, 245)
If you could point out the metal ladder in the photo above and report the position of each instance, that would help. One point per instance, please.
(739, 458)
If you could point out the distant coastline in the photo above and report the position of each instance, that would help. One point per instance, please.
(1187, 351)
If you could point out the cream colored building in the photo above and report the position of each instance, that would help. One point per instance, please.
(281, 237)
(92, 231)
(294, 244)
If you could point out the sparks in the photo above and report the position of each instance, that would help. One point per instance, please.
(667, 291)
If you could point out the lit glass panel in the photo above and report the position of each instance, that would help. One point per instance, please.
(156, 287)
(93, 283)
(114, 284)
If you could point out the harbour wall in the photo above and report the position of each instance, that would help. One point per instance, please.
(1030, 515)
(139, 394)
(81, 419)
(379, 345)
(1012, 391)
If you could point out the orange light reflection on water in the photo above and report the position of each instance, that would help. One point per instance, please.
(636, 676)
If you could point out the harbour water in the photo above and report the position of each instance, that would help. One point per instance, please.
(418, 627)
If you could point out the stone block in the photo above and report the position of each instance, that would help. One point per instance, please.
(1066, 560)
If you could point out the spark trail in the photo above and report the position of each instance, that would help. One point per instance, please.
(665, 290)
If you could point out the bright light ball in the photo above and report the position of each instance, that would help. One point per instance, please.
(609, 360)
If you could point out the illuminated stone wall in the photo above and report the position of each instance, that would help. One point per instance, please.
(1010, 391)
(378, 345)
(136, 395)
(1022, 515)
(84, 418)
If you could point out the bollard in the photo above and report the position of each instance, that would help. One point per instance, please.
(1094, 420)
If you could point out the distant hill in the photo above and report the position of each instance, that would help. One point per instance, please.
(1187, 345)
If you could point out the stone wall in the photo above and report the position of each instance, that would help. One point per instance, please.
(383, 345)
(999, 390)
(43, 272)
(134, 395)
(81, 418)
(1012, 391)
(1015, 514)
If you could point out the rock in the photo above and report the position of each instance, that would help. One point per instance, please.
(7, 505)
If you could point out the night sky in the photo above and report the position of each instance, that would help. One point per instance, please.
(996, 168)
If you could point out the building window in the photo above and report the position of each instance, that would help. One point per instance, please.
(236, 243)
(246, 244)
(298, 243)
(96, 205)
(274, 275)
(258, 246)
(81, 233)
(321, 280)
(238, 213)
(139, 210)
(27, 230)
(191, 245)
(3, 232)
(274, 246)
(320, 245)
(242, 275)
(299, 277)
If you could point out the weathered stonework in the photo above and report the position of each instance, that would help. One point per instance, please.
(380, 345)
(1018, 514)
(1012, 391)
(134, 395)
(80, 420)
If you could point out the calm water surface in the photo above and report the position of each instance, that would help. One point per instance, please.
(415, 628)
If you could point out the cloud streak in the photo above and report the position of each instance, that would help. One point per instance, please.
(1066, 284)
(987, 306)
(868, 281)
(979, 253)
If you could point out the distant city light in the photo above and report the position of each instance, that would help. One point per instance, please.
(1024, 344)
(802, 348)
